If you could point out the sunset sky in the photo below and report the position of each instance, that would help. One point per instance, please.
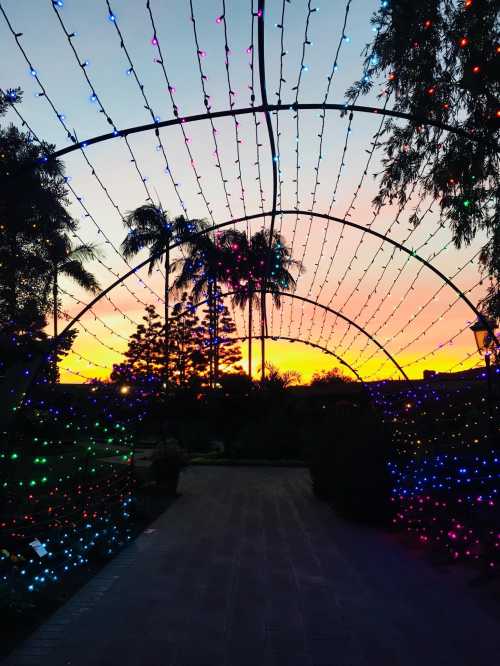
(400, 302)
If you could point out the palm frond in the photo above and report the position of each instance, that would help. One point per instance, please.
(85, 252)
(147, 217)
(75, 270)
(135, 241)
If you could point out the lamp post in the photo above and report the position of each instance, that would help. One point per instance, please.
(485, 345)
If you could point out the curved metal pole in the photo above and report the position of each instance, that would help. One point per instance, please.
(310, 344)
(265, 108)
(280, 293)
(304, 299)
(356, 108)
(282, 337)
(263, 92)
(332, 218)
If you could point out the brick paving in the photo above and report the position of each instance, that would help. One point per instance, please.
(248, 569)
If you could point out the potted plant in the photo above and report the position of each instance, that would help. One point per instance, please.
(167, 461)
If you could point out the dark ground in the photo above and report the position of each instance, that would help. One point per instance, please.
(248, 568)
(21, 620)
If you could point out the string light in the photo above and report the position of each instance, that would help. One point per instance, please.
(175, 109)
(206, 102)
(318, 165)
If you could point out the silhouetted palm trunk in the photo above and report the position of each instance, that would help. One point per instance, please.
(54, 347)
(216, 335)
(250, 336)
(182, 354)
(262, 335)
(167, 318)
(211, 334)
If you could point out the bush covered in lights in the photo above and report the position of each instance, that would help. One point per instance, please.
(66, 492)
(445, 468)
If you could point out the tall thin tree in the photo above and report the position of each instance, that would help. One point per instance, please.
(151, 228)
(203, 268)
(67, 260)
(252, 274)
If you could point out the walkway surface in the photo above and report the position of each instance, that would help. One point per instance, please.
(247, 568)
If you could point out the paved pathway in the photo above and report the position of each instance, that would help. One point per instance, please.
(247, 568)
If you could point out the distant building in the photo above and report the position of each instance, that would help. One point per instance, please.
(429, 374)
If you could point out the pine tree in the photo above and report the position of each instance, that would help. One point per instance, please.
(218, 331)
(143, 363)
(188, 359)
(229, 349)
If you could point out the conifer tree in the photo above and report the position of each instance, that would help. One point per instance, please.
(143, 363)
(227, 351)
(187, 354)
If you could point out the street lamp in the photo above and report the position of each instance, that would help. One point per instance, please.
(482, 334)
(485, 342)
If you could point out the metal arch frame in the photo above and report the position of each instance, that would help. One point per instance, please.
(304, 299)
(274, 162)
(308, 213)
(344, 108)
(280, 293)
(309, 344)
(267, 115)
(266, 108)
(282, 337)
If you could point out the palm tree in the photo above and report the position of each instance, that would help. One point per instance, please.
(150, 227)
(65, 259)
(240, 276)
(203, 268)
(255, 266)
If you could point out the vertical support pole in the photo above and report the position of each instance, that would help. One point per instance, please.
(55, 313)
(167, 317)
(263, 318)
(489, 398)
(250, 324)
(265, 105)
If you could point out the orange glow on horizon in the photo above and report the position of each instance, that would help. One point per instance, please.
(283, 354)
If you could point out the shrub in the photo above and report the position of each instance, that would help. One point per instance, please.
(168, 460)
(349, 466)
